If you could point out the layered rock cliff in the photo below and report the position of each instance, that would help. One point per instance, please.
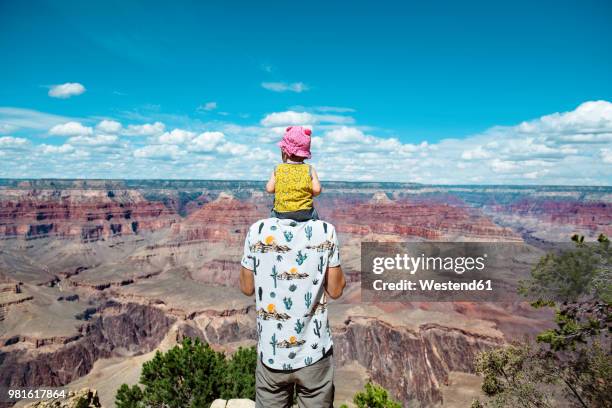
(224, 220)
(119, 329)
(592, 216)
(411, 364)
(406, 218)
(88, 215)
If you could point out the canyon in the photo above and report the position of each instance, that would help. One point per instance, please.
(96, 275)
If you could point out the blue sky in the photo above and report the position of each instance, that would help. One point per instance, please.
(429, 81)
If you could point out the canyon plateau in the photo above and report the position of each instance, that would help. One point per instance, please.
(96, 275)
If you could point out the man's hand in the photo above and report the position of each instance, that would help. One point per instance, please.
(334, 282)
(247, 281)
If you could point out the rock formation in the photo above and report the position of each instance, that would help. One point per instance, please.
(224, 220)
(412, 364)
(88, 215)
(118, 328)
(426, 220)
(592, 216)
(234, 403)
(84, 398)
(11, 294)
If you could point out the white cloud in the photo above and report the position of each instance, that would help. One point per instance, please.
(109, 126)
(163, 152)
(589, 117)
(502, 166)
(52, 149)
(477, 153)
(518, 149)
(97, 140)
(67, 90)
(352, 139)
(288, 118)
(7, 128)
(336, 109)
(70, 129)
(233, 149)
(147, 129)
(606, 155)
(535, 174)
(18, 118)
(208, 106)
(554, 149)
(295, 118)
(297, 87)
(176, 136)
(334, 119)
(346, 135)
(10, 142)
(316, 142)
(206, 142)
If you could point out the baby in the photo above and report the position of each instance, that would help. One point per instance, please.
(294, 182)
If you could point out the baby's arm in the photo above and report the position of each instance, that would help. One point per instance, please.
(270, 186)
(316, 184)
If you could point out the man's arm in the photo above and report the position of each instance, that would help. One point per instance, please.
(247, 281)
(334, 282)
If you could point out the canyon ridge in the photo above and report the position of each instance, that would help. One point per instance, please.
(96, 275)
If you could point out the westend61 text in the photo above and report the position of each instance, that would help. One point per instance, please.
(432, 285)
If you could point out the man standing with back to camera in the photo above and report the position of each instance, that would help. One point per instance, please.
(292, 267)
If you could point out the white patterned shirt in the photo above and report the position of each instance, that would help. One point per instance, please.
(289, 260)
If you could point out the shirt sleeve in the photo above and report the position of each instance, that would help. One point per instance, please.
(247, 256)
(334, 251)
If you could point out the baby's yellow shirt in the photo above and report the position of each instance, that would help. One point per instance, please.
(293, 187)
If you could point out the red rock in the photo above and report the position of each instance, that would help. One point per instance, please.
(224, 220)
(90, 215)
(594, 216)
(427, 220)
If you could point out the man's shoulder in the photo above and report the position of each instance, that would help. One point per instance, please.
(322, 222)
(327, 227)
(261, 223)
(265, 223)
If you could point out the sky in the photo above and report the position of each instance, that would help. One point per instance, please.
(444, 92)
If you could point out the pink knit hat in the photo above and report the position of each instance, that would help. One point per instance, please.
(296, 142)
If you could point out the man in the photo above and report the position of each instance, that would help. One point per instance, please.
(292, 267)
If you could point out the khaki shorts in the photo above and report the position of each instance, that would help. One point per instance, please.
(314, 385)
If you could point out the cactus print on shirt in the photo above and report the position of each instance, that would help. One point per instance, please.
(289, 261)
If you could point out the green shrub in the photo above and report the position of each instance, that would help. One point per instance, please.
(570, 362)
(191, 375)
(240, 374)
(374, 396)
